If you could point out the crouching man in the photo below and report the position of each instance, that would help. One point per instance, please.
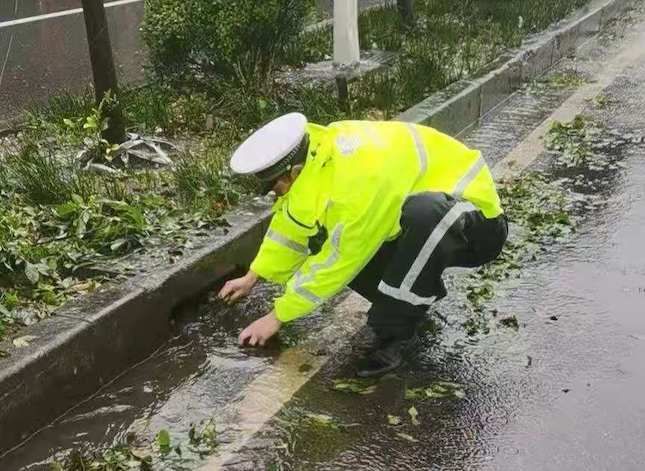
(381, 207)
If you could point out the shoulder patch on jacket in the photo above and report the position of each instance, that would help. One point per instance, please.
(347, 144)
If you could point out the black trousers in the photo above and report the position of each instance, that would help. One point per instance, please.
(404, 277)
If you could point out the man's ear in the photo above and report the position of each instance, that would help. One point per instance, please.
(295, 171)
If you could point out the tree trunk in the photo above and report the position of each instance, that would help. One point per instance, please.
(105, 82)
(406, 9)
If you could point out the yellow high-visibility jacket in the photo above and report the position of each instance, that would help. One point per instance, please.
(354, 183)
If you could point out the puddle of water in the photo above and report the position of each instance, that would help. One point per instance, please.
(199, 372)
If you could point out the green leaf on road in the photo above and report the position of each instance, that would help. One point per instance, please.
(356, 386)
(407, 437)
(510, 322)
(413, 415)
(393, 419)
(31, 272)
(438, 390)
(321, 419)
(24, 341)
(163, 441)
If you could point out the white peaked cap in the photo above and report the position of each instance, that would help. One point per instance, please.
(270, 144)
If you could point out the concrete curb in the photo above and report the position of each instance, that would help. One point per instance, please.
(464, 103)
(92, 341)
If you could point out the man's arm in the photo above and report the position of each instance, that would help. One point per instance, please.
(283, 250)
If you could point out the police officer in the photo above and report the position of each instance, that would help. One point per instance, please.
(382, 207)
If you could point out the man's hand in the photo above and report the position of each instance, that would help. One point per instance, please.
(260, 331)
(238, 288)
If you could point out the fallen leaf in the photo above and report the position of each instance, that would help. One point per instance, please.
(140, 454)
(4, 354)
(413, 415)
(355, 386)
(31, 272)
(407, 437)
(448, 384)
(415, 393)
(368, 390)
(163, 441)
(393, 419)
(305, 368)
(459, 394)
(24, 341)
(321, 418)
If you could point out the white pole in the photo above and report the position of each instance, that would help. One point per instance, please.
(346, 47)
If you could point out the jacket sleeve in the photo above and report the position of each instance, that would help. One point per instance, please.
(284, 248)
(346, 251)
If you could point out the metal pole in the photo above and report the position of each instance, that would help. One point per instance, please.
(346, 46)
(105, 81)
(406, 9)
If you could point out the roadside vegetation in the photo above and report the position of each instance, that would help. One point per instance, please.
(73, 205)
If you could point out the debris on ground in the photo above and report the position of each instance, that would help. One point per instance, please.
(510, 322)
(439, 390)
(414, 414)
(407, 437)
(356, 386)
(393, 419)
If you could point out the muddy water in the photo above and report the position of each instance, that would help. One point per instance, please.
(190, 379)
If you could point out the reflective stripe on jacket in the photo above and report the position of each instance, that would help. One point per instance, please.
(356, 178)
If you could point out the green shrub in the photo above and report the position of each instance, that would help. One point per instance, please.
(220, 36)
(203, 181)
(45, 178)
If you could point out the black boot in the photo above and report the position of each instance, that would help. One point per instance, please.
(386, 358)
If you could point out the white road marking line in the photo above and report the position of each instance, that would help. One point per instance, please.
(268, 393)
(58, 14)
(532, 147)
(6, 59)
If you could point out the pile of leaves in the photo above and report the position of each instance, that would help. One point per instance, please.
(539, 212)
(162, 453)
(571, 140)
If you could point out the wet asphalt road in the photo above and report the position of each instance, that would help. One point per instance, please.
(564, 391)
(14, 9)
(45, 58)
